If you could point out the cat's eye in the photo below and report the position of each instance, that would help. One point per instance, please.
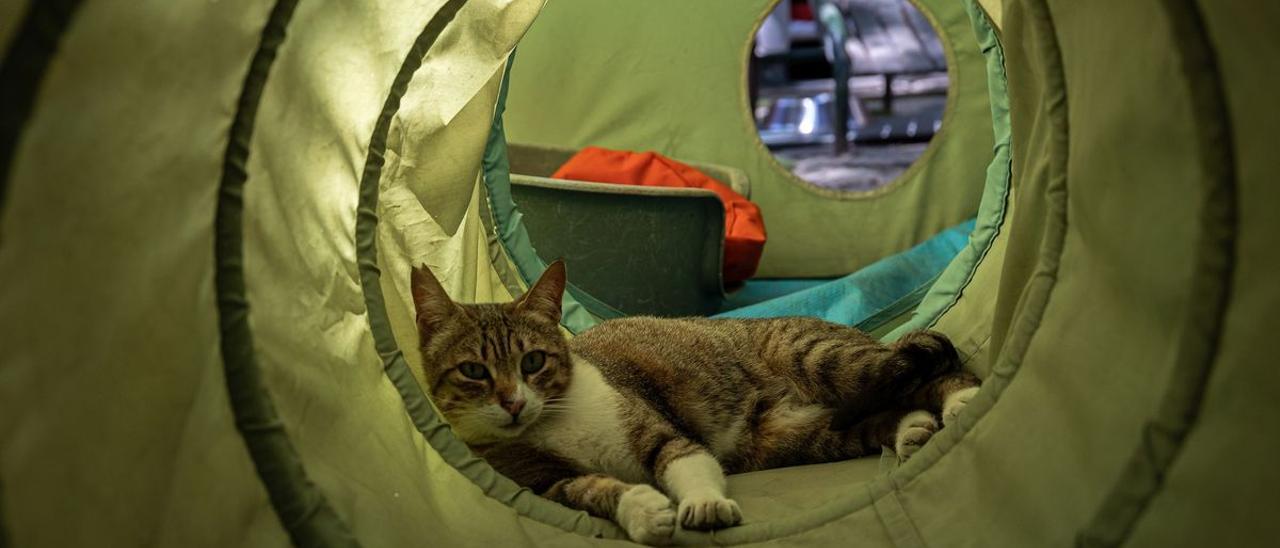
(474, 371)
(532, 362)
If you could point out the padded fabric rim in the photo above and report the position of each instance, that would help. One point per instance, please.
(434, 429)
(580, 308)
(951, 284)
(879, 493)
(302, 508)
(1215, 256)
(1039, 287)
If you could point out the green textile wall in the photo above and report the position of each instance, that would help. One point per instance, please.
(669, 75)
(187, 357)
(240, 171)
(1120, 320)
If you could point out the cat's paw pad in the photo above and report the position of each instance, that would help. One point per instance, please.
(913, 431)
(956, 402)
(708, 511)
(646, 515)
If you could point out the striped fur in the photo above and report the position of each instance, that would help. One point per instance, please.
(676, 403)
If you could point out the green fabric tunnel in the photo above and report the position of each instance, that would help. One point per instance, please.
(209, 211)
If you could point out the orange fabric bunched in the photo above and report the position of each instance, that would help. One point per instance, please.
(744, 234)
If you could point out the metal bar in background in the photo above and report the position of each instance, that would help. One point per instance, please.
(835, 33)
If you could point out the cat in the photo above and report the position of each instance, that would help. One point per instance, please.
(639, 419)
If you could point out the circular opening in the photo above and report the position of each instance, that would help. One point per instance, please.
(894, 68)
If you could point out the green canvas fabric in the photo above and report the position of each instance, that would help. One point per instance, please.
(170, 467)
(115, 426)
(1111, 192)
(303, 282)
(578, 309)
(305, 513)
(31, 35)
(11, 10)
(1129, 387)
(1166, 429)
(995, 12)
(580, 82)
(1208, 480)
(390, 331)
(976, 270)
(387, 473)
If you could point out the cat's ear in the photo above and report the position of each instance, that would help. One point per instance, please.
(430, 300)
(543, 299)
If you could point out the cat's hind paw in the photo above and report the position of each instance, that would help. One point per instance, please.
(647, 515)
(956, 402)
(708, 511)
(914, 430)
(930, 352)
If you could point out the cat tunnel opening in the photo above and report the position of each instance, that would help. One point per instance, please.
(262, 394)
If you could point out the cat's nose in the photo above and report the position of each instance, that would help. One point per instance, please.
(513, 407)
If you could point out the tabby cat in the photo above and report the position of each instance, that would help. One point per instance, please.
(638, 420)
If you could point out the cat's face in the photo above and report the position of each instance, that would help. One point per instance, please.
(493, 369)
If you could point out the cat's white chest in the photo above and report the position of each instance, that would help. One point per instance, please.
(589, 430)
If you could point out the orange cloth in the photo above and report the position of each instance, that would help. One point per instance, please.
(744, 234)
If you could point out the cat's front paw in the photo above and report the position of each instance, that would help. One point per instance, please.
(956, 402)
(708, 510)
(914, 430)
(646, 515)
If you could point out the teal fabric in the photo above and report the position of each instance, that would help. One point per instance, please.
(943, 295)
(758, 291)
(855, 298)
(580, 310)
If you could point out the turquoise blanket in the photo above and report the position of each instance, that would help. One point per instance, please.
(883, 289)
